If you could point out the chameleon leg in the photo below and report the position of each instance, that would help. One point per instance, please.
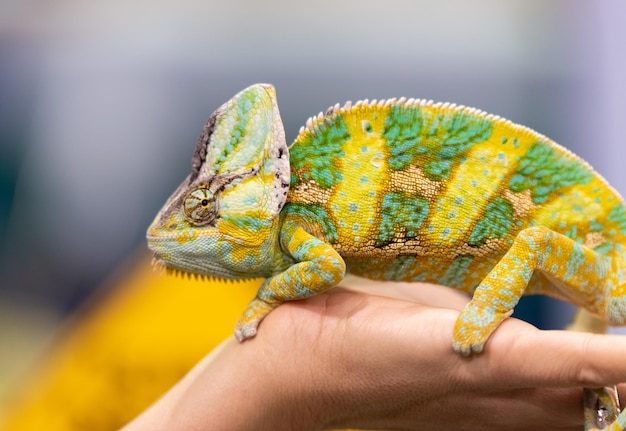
(618, 425)
(577, 272)
(601, 408)
(601, 405)
(318, 267)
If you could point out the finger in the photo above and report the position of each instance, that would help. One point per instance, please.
(546, 409)
(387, 352)
(532, 409)
(516, 356)
(530, 357)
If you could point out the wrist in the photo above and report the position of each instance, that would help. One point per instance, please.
(290, 388)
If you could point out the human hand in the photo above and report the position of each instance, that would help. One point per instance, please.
(356, 360)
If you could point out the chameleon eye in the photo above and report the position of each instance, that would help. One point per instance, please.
(200, 206)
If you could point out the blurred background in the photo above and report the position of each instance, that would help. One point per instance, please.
(101, 104)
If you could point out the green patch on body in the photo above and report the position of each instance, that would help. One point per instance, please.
(247, 223)
(496, 223)
(313, 157)
(457, 271)
(594, 226)
(543, 170)
(437, 140)
(618, 216)
(575, 261)
(605, 247)
(572, 233)
(401, 210)
(438, 169)
(229, 255)
(314, 215)
(399, 267)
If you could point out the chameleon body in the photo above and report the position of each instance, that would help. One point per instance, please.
(395, 190)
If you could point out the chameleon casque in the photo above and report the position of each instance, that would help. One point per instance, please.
(395, 190)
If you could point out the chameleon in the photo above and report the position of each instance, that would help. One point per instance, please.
(395, 189)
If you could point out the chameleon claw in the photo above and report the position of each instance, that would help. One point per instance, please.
(466, 349)
(477, 348)
(474, 326)
(461, 349)
(246, 331)
(248, 324)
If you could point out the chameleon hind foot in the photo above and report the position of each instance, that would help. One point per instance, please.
(474, 326)
(247, 325)
(601, 407)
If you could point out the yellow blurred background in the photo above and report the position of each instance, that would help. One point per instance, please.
(123, 348)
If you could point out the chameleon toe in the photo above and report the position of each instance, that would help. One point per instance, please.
(246, 331)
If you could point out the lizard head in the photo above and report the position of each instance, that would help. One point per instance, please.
(222, 220)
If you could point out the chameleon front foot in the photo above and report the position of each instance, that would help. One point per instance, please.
(247, 325)
(474, 326)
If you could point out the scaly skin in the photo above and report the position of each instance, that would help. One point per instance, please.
(395, 190)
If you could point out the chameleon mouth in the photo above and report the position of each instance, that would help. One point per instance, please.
(160, 266)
